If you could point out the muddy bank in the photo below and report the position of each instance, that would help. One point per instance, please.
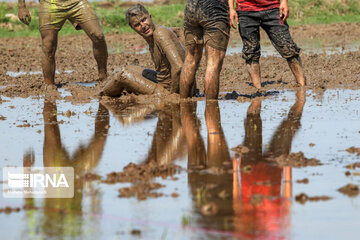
(75, 63)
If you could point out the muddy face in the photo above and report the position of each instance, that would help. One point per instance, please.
(143, 25)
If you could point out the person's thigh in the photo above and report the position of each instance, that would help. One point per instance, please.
(217, 34)
(50, 17)
(249, 24)
(93, 29)
(82, 13)
(192, 30)
(279, 34)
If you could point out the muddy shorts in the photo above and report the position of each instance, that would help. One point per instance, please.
(54, 13)
(276, 29)
(207, 22)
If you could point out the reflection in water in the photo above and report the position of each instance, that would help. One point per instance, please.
(211, 190)
(63, 216)
(261, 203)
(247, 195)
(168, 141)
(251, 200)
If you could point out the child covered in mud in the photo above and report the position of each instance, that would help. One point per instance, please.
(271, 15)
(167, 53)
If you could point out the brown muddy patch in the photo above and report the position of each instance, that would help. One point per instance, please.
(296, 160)
(75, 53)
(303, 198)
(350, 190)
(9, 210)
(353, 150)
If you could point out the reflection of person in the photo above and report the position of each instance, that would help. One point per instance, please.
(168, 141)
(259, 205)
(271, 15)
(167, 54)
(168, 137)
(52, 16)
(211, 189)
(206, 24)
(63, 215)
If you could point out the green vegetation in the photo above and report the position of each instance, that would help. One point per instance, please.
(112, 17)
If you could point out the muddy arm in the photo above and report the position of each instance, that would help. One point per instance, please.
(175, 58)
(23, 12)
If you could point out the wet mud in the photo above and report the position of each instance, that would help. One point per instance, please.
(350, 190)
(303, 198)
(201, 170)
(322, 71)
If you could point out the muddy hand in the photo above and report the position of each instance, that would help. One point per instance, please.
(284, 10)
(233, 15)
(24, 15)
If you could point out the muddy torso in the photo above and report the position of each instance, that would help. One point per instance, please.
(162, 38)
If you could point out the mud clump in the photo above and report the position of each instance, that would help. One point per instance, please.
(8, 210)
(91, 177)
(142, 176)
(209, 209)
(350, 190)
(303, 181)
(135, 232)
(303, 198)
(142, 191)
(352, 166)
(240, 149)
(140, 173)
(296, 160)
(353, 150)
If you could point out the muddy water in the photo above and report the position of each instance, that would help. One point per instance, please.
(246, 193)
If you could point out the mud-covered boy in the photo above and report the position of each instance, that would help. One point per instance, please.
(271, 15)
(166, 51)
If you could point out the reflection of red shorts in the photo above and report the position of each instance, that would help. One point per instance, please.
(54, 13)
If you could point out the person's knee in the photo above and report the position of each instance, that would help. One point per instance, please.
(49, 44)
(97, 36)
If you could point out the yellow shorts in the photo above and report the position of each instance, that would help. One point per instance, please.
(54, 13)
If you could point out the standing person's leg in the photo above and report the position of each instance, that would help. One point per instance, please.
(214, 61)
(279, 34)
(49, 38)
(193, 54)
(249, 31)
(93, 29)
(295, 65)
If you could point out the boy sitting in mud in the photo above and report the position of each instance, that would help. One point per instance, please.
(167, 53)
(271, 15)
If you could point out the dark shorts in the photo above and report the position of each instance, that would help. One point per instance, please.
(150, 74)
(207, 22)
(276, 29)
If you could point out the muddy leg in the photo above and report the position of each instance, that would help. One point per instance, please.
(214, 61)
(49, 43)
(297, 69)
(131, 79)
(187, 77)
(254, 73)
(94, 31)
